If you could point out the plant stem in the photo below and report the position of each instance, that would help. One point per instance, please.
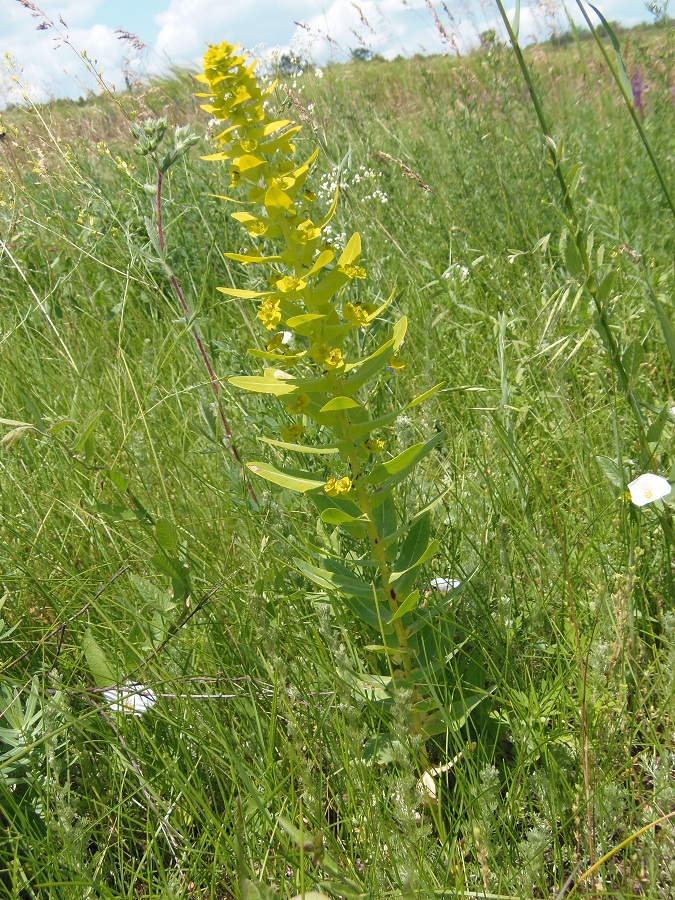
(198, 339)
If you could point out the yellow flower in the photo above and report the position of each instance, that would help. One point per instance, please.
(334, 487)
(293, 433)
(323, 355)
(375, 445)
(299, 405)
(290, 283)
(352, 271)
(269, 313)
(355, 313)
(395, 364)
(334, 359)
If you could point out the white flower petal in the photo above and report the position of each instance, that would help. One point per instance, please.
(131, 698)
(443, 585)
(647, 488)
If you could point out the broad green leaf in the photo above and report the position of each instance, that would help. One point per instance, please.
(404, 462)
(361, 362)
(664, 322)
(633, 358)
(86, 431)
(431, 550)
(402, 530)
(425, 395)
(120, 482)
(338, 403)
(407, 605)
(400, 329)
(656, 428)
(573, 261)
(369, 367)
(244, 295)
(337, 581)
(287, 478)
(352, 251)
(166, 535)
(414, 545)
(333, 516)
(327, 449)
(263, 385)
(359, 430)
(606, 285)
(277, 200)
(611, 471)
(386, 521)
(246, 258)
(296, 321)
(101, 670)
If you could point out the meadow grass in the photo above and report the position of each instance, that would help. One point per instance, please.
(131, 547)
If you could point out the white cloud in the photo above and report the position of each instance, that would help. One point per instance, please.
(183, 29)
(46, 66)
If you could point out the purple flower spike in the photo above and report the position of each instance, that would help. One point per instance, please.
(638, 87)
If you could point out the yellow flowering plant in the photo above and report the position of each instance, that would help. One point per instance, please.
(320, 380)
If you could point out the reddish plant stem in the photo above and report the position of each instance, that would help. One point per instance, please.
(200, 345)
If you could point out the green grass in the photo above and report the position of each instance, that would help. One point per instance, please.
(568, 615)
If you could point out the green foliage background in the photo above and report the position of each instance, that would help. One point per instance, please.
(129, 543)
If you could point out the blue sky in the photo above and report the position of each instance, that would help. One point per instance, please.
(178, 31)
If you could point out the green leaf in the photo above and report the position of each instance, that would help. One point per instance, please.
(414, 545)
(338, 403)
(656, 428)
(101, 670)
(326, 449)
(611, 471)
(333, 516)
(620, 65)
(664, 322)
(606, 285)
(86, 431)
(390, 538)
(402, 463)
(633, 358)
(288, 478)
(337, 581)
(120, 482)
(263, 385)
(400, 329)
(352, 251)
(243, 294)
(431, 550)
(573, 261)
(166, 535)
(425, 395)
(407, 605)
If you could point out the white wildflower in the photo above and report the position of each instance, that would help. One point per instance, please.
(443, 585)
(318, 73)
(647, 488)
(131, 698)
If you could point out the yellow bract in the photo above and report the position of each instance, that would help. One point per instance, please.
(269, 313)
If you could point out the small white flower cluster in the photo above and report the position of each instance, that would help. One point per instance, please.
(328, 185)
(457, 272)
(337, 238)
